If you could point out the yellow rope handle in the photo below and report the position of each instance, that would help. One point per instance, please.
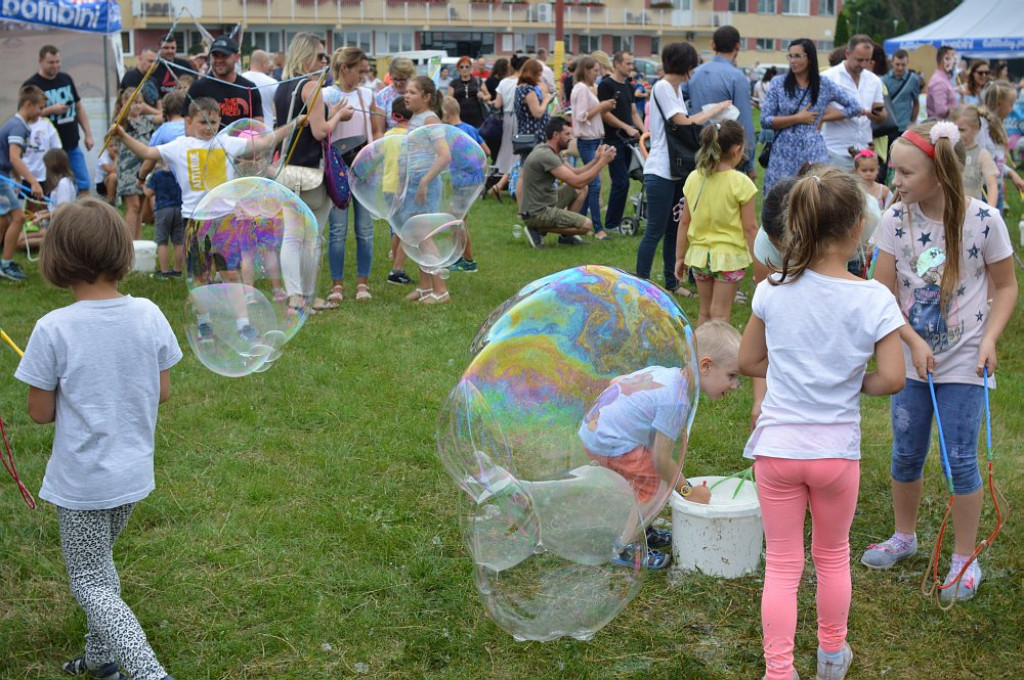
(128, 104)
(301, 123)
(6, 338)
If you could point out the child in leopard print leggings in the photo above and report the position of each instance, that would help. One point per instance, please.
(98, 369)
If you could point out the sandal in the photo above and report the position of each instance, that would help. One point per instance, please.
(655, 558)
(435, 299)
(419, 294)
(323, 305)
(110, 671)
(741, 298)
(495, 192)
(658, 538)
(683, 292)
(337, 294)
(363, 292)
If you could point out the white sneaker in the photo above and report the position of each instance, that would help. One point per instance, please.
(834, 670)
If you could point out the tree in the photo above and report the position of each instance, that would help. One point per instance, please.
(877, 16)
(842, 28)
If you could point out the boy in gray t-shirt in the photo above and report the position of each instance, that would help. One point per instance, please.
(14, 136)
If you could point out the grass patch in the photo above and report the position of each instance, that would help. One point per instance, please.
(303, 526)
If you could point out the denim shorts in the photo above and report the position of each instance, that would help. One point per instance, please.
(960, 409)
(9, 199)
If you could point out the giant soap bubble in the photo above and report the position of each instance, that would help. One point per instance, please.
(249, 147)
(253, 250)
(423, 183)
(566, 435)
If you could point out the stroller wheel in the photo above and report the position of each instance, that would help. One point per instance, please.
(628, 226)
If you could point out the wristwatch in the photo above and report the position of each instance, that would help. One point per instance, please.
(685, 490)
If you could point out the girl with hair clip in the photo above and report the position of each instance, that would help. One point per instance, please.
(718, 225)
(865, 166)
(938, 251)
(806, 444)
(981, 176)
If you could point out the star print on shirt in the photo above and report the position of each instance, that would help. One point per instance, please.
(897, 213)
(982, 213)
(987, 229)
(979, 316)
(960, 291)
(900, 232)
(973, 252)
(925, 238)
(906, 283)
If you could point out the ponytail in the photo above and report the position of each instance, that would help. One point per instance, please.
(715, 139)
(428, 87)
(823, 208)
(996, 131)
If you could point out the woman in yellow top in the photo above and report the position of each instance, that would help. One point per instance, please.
(717, 227)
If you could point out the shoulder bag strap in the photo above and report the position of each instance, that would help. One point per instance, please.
(892, 95)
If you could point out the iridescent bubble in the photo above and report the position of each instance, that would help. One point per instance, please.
(424, 184)
(253, 252)
(249, 148)
(566, 434)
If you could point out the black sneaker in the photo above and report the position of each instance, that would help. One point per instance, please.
(160, 276)
(174, 274)
(571, 240)
(12, 271)
(535, 238)
(205, 333)
(248, 333)
(399, 277)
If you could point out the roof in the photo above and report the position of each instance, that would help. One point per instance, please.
(991, 28)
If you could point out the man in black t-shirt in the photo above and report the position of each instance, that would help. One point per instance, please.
(238, 97)
(621, 123)
(164, 76)
(63, 106)
(149, 97)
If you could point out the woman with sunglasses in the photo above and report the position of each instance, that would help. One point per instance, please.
(401, 71)
(977, 78)
(470, 92)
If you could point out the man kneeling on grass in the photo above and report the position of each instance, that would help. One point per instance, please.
(547, 210)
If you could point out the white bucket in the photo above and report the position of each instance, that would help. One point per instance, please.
(723, 538)
(145, 257)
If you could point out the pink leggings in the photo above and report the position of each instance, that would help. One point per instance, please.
(785, 487)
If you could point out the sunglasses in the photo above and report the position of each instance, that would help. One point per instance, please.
(323, 56)
(982, 73)
(465, 66)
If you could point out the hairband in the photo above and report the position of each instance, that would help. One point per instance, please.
(920, 142)
(865, 153)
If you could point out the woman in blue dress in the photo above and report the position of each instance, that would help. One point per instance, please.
(793, 108)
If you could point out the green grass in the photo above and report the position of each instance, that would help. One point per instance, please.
(306, 506)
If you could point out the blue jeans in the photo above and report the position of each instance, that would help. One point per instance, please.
(960, 408)
(80, 168)
(662, 196)
(588, 149)
(338, 232)
(618, 169)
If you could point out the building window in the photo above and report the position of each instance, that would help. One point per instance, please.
(826, 46)
(622, 43)
(655, 45)
(263, 40)
(765, 44)
(797, 7)
(589, 43)
(827, 8)
(737, 5)
(361, 39)
(766, 7)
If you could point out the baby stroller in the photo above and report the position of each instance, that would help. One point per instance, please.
(638, 149)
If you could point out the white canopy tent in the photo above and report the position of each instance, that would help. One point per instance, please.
(993, 29)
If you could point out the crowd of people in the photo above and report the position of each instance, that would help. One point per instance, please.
(944, 287)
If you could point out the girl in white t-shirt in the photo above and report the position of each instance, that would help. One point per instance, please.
(813, 330)
(59, 187)
(87, 365)
(938, 253)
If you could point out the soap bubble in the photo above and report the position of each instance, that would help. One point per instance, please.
(248, 145)
(253, 250)
(424, 184)
(566, 434)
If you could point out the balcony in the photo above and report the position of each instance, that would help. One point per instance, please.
(501, 15)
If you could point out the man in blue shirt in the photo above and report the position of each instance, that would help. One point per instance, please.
(718, 80)
(904, 89)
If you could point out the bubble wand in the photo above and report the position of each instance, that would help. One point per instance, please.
(743, 475)
(6, 456)
(6, 338)
(1002, 510)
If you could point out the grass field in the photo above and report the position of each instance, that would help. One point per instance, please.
(303, 526)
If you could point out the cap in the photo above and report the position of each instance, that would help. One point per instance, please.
(224, 45)
(601, 58)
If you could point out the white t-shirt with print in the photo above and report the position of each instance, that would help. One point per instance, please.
(671, 102)
(635, 406)
(42, 136)
(820, 331)
(955, 337)
(199, 165)
(103, 359)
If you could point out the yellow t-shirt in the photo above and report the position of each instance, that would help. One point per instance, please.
(393, 150)
(715, 239)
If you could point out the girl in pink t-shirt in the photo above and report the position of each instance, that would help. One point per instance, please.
(938, 250)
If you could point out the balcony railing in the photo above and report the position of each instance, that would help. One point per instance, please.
(468, 14)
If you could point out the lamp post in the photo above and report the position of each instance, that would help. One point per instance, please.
(895, 27)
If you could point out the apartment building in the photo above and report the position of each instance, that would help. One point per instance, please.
(488, 27)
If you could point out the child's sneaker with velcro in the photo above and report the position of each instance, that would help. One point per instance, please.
(108, 671)
(884, 555)
(968, 585)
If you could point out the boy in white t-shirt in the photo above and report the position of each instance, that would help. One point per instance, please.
(637, 421)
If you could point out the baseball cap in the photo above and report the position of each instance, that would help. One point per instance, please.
(224, 45)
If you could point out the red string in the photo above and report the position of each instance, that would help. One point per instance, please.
(8, 460)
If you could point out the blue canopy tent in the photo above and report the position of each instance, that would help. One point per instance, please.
(993, 29)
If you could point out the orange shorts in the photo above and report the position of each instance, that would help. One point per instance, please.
(636, 467)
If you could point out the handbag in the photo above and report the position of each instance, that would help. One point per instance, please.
(523, 144)
(299, 177)
(766, 152)
(493, 127)
(335, 175)
(887, 127)
(683, 143)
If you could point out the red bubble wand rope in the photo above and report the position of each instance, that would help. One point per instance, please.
(999, 502)
(6, 456)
